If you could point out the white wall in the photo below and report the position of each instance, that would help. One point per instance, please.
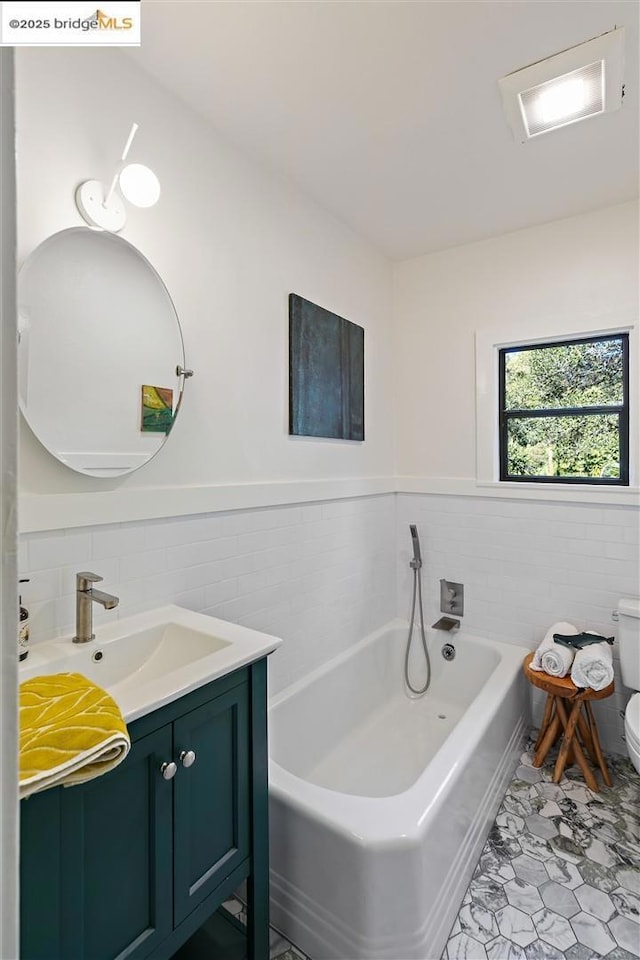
(584, 267)
(231, 242)
(524, 564)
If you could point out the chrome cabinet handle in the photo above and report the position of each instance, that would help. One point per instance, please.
(187, 758)
(169, 770)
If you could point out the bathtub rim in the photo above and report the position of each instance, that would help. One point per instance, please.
(398, 820)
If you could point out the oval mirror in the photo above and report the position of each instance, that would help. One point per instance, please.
(99, 344)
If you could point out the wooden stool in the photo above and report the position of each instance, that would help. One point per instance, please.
(575, 725)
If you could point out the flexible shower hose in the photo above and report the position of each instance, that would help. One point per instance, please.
(417, 589)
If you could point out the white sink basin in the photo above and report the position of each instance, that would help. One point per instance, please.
(150, 659)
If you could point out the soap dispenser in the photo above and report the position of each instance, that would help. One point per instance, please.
(23, 628)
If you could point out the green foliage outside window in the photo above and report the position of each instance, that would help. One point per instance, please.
(588, 374)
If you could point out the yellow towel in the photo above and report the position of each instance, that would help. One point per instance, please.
(70, 731)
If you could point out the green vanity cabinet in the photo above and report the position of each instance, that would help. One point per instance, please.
(211, 799)
(132, 865)
(97, 857)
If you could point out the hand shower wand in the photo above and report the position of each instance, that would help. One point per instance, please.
(416, 563)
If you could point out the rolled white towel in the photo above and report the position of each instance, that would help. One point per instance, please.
(593, 666)
(552, 657)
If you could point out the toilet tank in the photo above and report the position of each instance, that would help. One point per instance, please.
(629, 642)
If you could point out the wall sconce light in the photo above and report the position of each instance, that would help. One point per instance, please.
(105, 209)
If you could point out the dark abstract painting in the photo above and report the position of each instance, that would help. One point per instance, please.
(326, 373)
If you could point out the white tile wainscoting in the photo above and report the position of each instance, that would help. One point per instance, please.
(524, 565)
(322, 575)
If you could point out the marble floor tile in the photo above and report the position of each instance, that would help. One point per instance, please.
(629, 878)
(561, 900)
(523, 895)
(564, 873)
(593, 933)
(478, 922)
(515, 925)
(600, 877)
(625, 933)
(539, 950)
(596, 902)
(279, 947)
(501, 949)
(542, 826)
(512, 823)
(464, 947)
(554, 929)
(487, 892)
(579, 952)
(530, 870)
(574, 856)
(627, 904)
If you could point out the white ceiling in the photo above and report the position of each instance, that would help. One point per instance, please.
(389, 114)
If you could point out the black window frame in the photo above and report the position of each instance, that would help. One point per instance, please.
(622, 410)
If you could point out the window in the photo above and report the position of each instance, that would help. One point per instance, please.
(564, 411)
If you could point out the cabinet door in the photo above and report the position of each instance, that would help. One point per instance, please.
(41, 873)
(211, 798)
(116, 858)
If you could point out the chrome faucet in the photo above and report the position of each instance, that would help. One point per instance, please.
(86, 595)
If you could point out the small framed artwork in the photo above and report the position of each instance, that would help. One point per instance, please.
(326, 373)
(157, 409)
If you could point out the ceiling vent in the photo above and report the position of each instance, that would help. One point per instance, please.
(578, 83)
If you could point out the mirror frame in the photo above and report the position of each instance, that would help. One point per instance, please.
(181, 372)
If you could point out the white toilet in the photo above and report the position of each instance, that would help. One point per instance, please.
(629, 640)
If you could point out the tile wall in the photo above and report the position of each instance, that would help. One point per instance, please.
(318, 575)
(525, 565)
(323, 575)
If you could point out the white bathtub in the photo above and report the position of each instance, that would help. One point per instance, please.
(380, 804)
